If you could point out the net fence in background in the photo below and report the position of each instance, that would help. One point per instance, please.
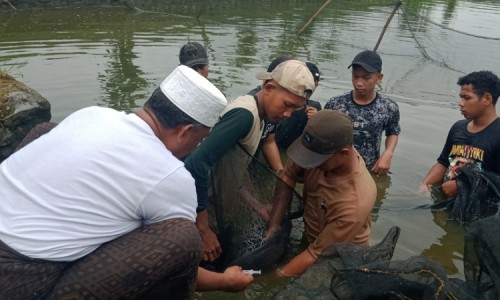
(443, 44)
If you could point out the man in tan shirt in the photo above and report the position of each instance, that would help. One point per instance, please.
(339, 192)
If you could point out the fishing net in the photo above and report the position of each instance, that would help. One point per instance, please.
(478, 196)
(421, 278)
(432, 37)
(349, 271)
(315, 282)
(240, 202)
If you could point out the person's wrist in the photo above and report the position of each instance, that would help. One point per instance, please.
(279, 172)
(282, 273)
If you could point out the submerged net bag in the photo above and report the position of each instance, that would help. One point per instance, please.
(482, 257)
(316, 280)
(356, 272)
(478, 195)
(415, 278)
(421, 278)
(240, 200)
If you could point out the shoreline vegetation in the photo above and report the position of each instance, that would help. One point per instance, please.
(8, 73)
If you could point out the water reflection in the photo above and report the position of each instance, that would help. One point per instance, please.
(383, 183)
(122, 81)
(449, 248)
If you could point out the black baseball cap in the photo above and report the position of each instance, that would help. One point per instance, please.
(314, 70)
(278, 60)
(368, 60)
(193, 54)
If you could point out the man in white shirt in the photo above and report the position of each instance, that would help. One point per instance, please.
(101, 206)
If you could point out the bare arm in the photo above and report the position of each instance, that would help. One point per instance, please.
(232, 280)
(297, 265)
(281, 203)
(272, 153)
(211, 245)
(383, 164)
(435, 175)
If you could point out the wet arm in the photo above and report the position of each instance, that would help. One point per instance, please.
(283, 192)
(297, 265)
(435, 175)
(232, 280)
(330, 234)
(383, 164)
(272, 154)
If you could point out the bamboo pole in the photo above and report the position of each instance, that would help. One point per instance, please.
(9, 4)
(314, 16)
(398, 4)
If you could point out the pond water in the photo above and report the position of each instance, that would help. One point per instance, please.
(115, 57)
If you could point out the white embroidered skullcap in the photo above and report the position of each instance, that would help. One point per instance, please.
(194, 95)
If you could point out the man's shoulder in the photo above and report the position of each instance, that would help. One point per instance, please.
(344, 96)
(314, 103)
(388, 101)
(335, 101)
(243, 98)
(245, 102)
(460, 124)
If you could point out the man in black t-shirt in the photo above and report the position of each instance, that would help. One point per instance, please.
(474, 141)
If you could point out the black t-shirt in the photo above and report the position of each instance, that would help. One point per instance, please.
(480, 149)
(290, 129)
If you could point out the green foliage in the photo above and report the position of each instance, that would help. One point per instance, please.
(12, 69)
(6, 107)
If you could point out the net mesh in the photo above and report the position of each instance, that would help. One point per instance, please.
(356, 272)
(241, 199)
(478, 196)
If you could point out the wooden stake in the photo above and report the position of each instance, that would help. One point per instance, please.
(398, 4)
(314, 16)
(9, 4)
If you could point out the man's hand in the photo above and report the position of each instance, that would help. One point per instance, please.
(235, 280)
(450, 188)
(232, 280)
(310, 110)
(211, 245)
(383, 164)
(424, 190)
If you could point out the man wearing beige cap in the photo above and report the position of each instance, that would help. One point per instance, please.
(284, 90)
(101, 206)
(339, 192)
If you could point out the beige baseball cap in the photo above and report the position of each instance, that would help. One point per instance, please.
(292, 75)
(194, 95)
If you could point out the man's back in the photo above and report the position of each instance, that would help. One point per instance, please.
(103, 182)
